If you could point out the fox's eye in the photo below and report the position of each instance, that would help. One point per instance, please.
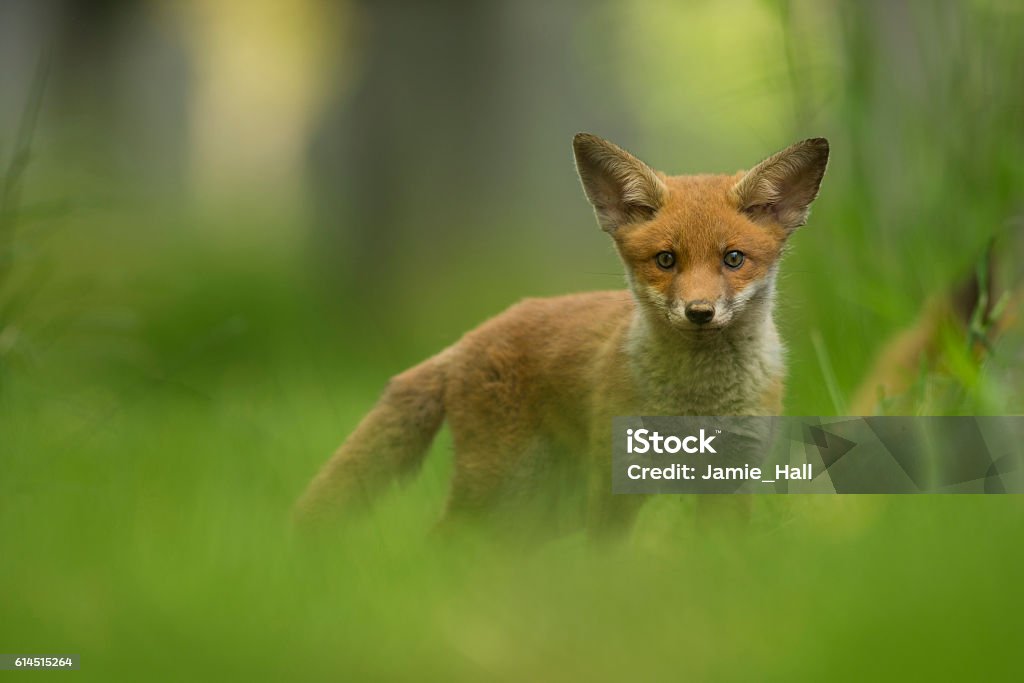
(733, 259)
(665, 259)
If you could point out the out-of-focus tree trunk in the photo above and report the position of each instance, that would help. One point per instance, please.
(459, 126)
(116, 87)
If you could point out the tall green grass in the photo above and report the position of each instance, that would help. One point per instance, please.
(148, 471)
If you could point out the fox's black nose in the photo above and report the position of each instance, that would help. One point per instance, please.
(700, 312)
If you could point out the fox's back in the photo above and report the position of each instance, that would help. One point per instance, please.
(539, 361)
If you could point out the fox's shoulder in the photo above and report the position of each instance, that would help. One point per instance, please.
(573, 318)
(608, 301)
(581, 310)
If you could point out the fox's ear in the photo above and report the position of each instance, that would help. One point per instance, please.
(621, 188)
(782, 187)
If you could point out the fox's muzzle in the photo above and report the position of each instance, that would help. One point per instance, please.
(700, 312)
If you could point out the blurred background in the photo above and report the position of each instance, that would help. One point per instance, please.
(225, 224)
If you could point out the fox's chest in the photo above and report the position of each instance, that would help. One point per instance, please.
(712, 383)
(708, 395)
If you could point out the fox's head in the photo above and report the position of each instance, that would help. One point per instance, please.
(700, 251)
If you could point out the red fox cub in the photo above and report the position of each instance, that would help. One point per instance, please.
(535, 388)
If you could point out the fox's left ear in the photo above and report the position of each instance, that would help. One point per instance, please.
(782, 187)
(621, 188)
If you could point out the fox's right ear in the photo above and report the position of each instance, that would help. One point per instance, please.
(621, 188)
(783, 186)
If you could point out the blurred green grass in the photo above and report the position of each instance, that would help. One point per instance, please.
(150, 461)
